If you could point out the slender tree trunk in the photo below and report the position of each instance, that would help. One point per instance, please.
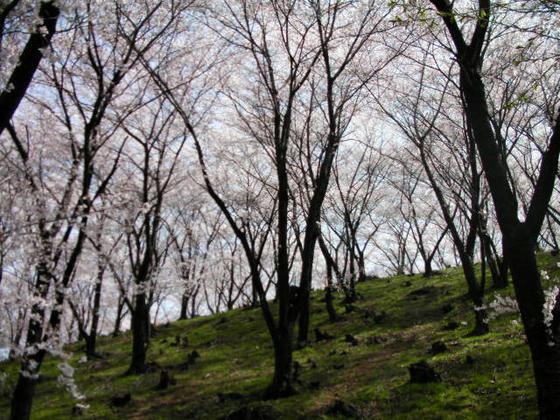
(184, 306)
(282, 385)
(333, 317)
(28, 63)
(91, 340)
(476, 293)
(361, 268)
(140, 335)
(118, 319)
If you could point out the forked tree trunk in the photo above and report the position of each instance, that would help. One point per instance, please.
(428, 271)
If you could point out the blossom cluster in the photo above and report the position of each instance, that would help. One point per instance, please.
(502, 305)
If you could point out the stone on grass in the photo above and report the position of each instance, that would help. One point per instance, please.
(422, 373)
(320, 335)
(120, 401)
(438, 347)
(341, 408)
(352, 340)
(261, 411)
(451, 325)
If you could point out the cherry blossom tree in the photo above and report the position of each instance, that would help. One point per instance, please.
(20, 57)
(468, 44)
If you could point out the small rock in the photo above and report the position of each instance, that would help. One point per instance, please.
(438, 347)
(423, 291)
(349, 308)
(451, 325)
(341, 408)
(232, 396)
(447, 308)
(193, 355)
(421, 373)
(255, 412)
(79, 409)
(320, 335)
(352, 340)
(376, 339)
(121, 401)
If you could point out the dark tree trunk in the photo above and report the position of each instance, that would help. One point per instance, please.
(184, 306)
(544, 345)
(29, 60)
(282, 385)
(22, 398)
(519, 237)
(118, 319)
(428, 271)
(361, 268)
(140, 335)
(91, 340)
(476, 293)
(329, 297)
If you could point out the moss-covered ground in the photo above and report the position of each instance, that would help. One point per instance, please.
(486, 377)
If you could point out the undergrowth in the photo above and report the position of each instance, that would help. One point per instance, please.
(487, 376)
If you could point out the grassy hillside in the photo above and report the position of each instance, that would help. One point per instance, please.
(482, 377)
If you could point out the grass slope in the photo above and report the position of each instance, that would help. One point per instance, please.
(482, 377)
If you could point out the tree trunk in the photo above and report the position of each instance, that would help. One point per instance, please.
(184, 306)
(140, 335)
(544, 345)
(22, 398)
(281, 385)
(92, 339)
(328, 296)
(118, 319)
(428, 271)
(476, 293)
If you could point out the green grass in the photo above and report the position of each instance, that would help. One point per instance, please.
(236, 356)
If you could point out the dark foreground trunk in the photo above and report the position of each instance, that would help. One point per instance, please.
(282, 385)
(544, 345)
(22, 398)
(140, 335)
